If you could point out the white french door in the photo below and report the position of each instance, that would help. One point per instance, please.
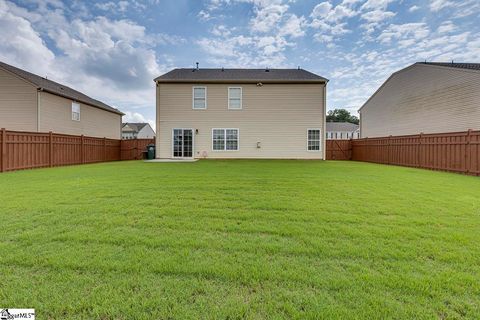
(182, 143)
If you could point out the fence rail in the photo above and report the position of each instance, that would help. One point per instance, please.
(454, 152)
(27, 150)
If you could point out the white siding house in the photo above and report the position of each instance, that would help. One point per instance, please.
(342, 131)
(241, 113)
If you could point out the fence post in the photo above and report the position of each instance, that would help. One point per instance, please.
(389, 149)
(82, 149)
(419, 150)
(104, 149)
(3, 152)
(136, 149)
(468, 151)
(50, 149)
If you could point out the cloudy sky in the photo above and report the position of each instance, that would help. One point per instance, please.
(112, 50)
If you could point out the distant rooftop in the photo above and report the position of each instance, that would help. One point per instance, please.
(134, 126)
(462, 65)
(57, 88)
(341, 126)
(241, 75)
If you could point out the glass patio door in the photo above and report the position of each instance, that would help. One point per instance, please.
(182, 143)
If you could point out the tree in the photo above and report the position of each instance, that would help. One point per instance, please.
(341, 115)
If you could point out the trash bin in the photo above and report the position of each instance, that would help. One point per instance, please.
(150, 151)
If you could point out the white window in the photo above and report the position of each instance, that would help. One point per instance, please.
(225, 139)
(75, 111)
(313, 140)
(235, 98)
(199, 98)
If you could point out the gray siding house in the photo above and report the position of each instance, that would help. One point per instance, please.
(31, 103)
(241, 113)
(428, 97)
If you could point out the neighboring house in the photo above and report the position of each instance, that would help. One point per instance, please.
(342, 131)
(426, 97)
(240, 113)
(131, 130)
(31, 103)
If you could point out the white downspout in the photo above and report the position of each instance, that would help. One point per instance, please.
(323, 133)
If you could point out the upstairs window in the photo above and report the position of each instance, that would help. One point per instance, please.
(75, 111)
(234, 98)
(199, 98)
(313, 140)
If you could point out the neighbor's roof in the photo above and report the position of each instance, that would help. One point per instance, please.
(241, 75)
(57, 88)
(462, 65)
(135, 126)
(341, 126)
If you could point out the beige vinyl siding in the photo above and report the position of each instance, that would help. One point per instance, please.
(56, 116)
(424, 98)
(18, 103)
(276, 115)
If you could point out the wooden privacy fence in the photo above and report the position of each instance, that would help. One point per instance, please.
(133, 149)
(455, 152)
(27, 150)
(339, 150)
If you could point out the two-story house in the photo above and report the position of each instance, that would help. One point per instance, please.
(32, 103)
(241, 113)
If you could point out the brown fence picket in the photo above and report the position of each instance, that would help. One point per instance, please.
(28, 150)
(455, 152)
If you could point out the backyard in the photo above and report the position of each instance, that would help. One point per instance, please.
(244, 239)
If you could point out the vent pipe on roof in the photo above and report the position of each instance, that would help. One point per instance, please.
(267, 70)
(197, 65)
(223, 69)
(298, 67)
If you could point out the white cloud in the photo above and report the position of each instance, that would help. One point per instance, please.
(447, 27)
(267, 17)
(414, 8)
(437, 5)
(406, 32)
(321, 10)
(377, 15)
(137, 117)
(21, 44)
(293, 26)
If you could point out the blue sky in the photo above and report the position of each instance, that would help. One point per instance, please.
(112, 50)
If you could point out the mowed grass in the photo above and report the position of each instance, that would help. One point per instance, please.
(240, 240)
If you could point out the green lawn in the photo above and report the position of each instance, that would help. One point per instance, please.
(240, 240)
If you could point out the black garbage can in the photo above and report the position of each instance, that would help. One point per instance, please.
(150, 151)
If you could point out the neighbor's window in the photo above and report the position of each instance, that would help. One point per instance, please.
(75, 111)
(313, 139)
(235, 98)
(225, 139)
(199, 98)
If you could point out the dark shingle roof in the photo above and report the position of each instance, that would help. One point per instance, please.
(57, 88)
(341, 126)
(241, 75)
(462, 65)
(135, 126)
